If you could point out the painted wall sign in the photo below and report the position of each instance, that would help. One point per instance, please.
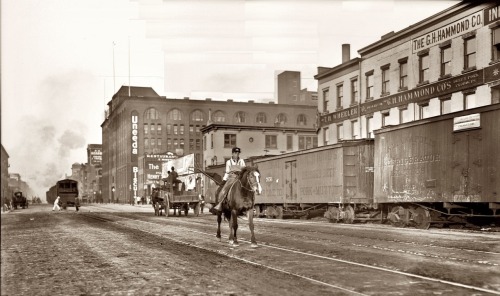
(491, 14)
(134, 155)
(464, 25)
(339, 116)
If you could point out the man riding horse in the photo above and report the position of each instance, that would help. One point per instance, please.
(233, 168)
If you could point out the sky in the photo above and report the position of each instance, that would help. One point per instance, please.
(62, 60)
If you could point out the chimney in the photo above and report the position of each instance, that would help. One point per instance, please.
(346, 53)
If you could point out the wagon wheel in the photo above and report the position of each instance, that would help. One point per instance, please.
(398, 216)
(186, 210)
(279, 212)
(421, 217)
(197, 209)
(349, 215)
(256, 210)
(167, 205)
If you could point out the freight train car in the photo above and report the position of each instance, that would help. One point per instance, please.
(440, 170)
(306, 183)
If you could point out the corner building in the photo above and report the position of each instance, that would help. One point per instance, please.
(443, 64)
(142, 129)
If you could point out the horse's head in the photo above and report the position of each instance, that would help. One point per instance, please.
(253, 178)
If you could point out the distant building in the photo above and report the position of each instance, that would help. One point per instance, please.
(144, 129)
(290, 91)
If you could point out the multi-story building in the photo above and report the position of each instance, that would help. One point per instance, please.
(290, 91)
(442, 64)
(94, 172)
(143, 129)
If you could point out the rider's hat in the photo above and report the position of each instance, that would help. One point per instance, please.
(236, 149)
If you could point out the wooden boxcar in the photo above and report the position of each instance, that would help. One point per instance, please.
(308, 182)
(440, 169)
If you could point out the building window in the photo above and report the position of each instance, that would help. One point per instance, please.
(495, 94)
(445, 105)
(355, 129)
(301, 120)
(229, 140)
(369, 85)
(181, 143)
(176, 143)
(152, 129)
(271, 142)
(146, 129)
(169, 129)
(385, 118)
(385, 80)
(340, 95)
(470, 100)
(169, 143)
(354, 91)
(307, 142)
(469, 53)
(181, 129)
(369, 126)
(158, 142)
(446, 60)
(495, 36)
(326, 136)
(146, 143)
(423, 66)
(403, 74)
(211, 141)
(280, 119)
(191, 130)
(289, 142)
(197, 115)
(340, 132)
(198, 144)
(152, 114)
(404, 114)
(240, 117)
(158, 129)
(423, 110)
(175, 115)
(191, 144)
(261, 118)
(153, 142)
(176, 129)
(326, 94)
(219, 116)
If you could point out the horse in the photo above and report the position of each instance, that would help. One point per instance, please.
(157, 202)
(240, 199)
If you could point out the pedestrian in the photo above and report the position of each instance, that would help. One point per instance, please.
(56, 204)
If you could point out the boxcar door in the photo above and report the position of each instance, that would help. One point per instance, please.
(467, 162)
(291, 181)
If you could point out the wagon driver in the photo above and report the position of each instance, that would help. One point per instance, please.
(233, 167)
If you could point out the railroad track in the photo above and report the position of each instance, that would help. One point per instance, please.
(299, 263)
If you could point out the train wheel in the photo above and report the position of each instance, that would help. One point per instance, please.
(256, 211)
(270, 212)
(421, 217)
(332, 214)
(279, 212)
(398, 216)
(349, 215)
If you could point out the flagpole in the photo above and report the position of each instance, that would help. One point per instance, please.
(129, 66)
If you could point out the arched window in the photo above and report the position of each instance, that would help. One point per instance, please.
(152, 114)
(197, 115)
(218, 116)
(240, 117)
(175, 114)
(261, 118)
(280, 119)
(302, 120)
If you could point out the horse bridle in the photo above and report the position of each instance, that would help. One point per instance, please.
(251, 184)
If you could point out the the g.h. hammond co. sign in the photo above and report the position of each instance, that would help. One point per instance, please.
(464, 25)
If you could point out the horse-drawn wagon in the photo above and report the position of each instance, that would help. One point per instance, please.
(181, 189)
(19, 200)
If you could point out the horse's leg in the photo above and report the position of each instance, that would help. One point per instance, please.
(250, 225)
(219, 220)
(234, 217)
